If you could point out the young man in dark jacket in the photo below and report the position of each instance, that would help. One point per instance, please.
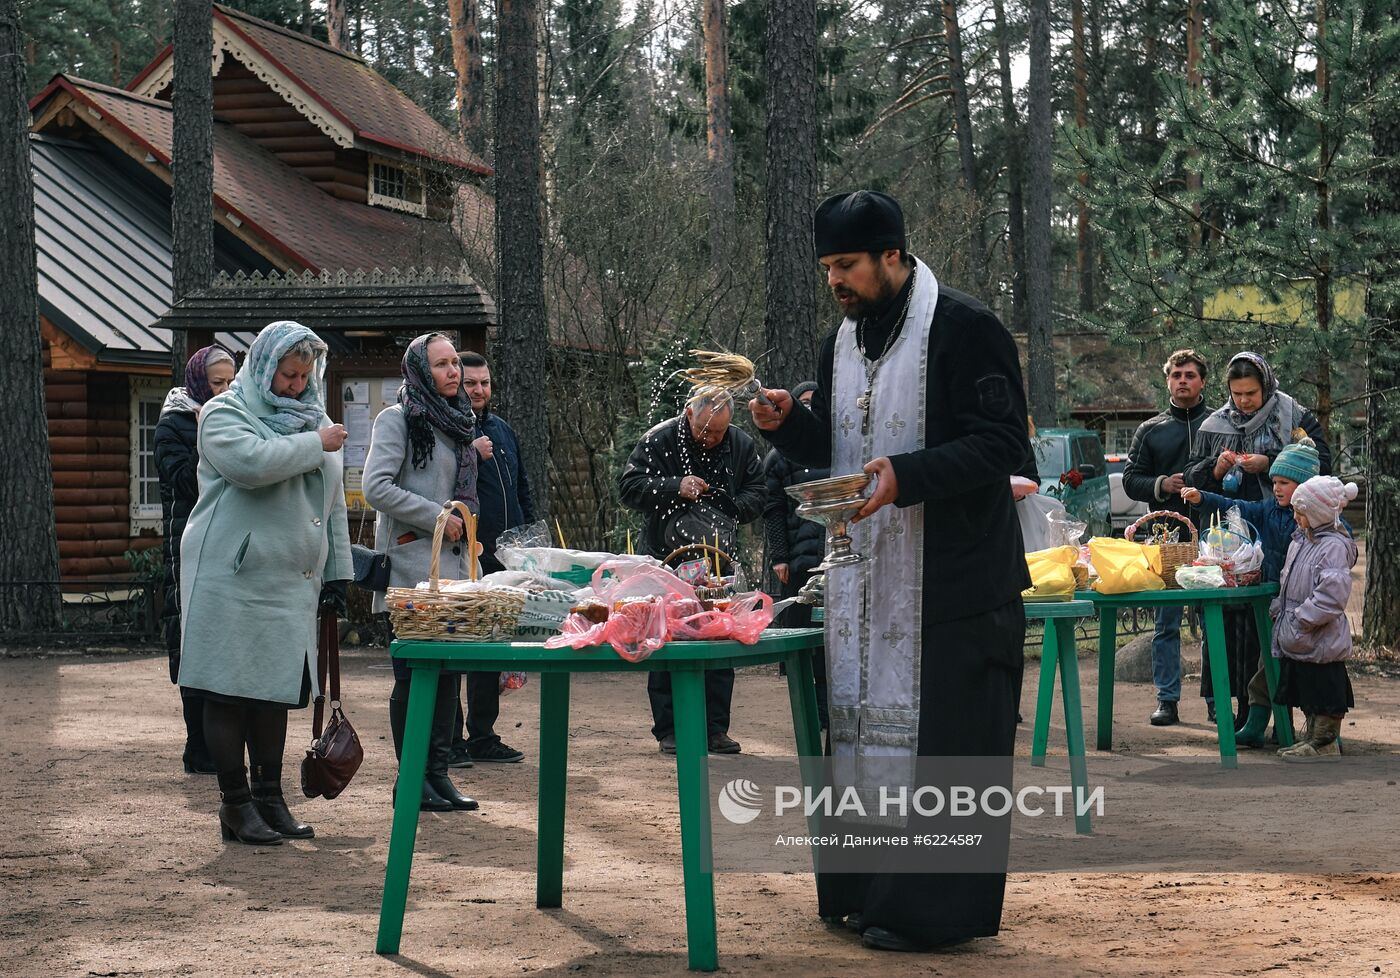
(1161, 447)
(504, 493)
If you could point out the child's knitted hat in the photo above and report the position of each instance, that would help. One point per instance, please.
(1322, 498)
(1298, 462)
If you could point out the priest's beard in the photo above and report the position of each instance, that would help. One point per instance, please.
(872, 304)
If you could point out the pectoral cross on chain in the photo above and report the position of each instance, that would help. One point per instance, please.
(863, 403)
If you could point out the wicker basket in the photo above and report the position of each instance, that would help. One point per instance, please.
(1174, 555)
(698, 550)
(467, 616)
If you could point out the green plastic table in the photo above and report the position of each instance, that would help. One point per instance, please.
(1210, 602)
(1058, 652)
(686, 661)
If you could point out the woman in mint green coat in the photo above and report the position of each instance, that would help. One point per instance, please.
(265, 545)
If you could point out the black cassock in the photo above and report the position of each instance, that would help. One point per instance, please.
(974, 573)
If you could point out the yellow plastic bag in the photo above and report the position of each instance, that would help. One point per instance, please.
(1124, 566)
(1052, 574)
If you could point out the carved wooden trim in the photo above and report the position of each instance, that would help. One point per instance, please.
(226, 43)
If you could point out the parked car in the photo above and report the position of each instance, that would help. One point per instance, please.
(1123, 510)
(1060, 451)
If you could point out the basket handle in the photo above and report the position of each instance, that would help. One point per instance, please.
(439, 530)
(704, 548)
(1159, 514)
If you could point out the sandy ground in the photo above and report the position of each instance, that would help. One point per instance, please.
(111, 862)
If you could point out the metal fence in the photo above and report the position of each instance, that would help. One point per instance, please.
(1132, 622)
(94, 609)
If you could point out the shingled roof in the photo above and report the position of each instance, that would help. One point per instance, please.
(309, 228)
(338, 83)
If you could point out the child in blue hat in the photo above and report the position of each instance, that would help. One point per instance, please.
(1273, 518)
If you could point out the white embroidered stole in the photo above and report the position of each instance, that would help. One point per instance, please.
(875, 609)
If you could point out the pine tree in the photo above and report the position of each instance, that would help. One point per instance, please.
(30, 550)
(1238, 233)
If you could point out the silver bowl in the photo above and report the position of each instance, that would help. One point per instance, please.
(833, 502)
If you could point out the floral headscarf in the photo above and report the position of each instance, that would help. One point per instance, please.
(426, 410)
(254, 382)
(197, 371)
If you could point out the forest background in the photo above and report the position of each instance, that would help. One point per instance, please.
(1219, 174)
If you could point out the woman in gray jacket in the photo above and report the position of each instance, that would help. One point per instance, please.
(421, 457)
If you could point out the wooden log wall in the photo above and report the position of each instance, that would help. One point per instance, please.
(89, 442)
(250, 106)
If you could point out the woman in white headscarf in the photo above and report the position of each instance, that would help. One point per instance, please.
(265, 545)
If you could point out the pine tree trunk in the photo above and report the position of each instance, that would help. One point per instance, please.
(471, 77)
(1322, 297)
(30, 548)
(522, 339)
(1040, 355)
(1084, 250)
(192, 162)
(337, 27)
(962, 114)
(719, 136)
(1016, 227)
(790, 317)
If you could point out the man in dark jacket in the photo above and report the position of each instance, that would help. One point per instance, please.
(694, 477)
(1154, 474)
(504, 493)
(920, 386)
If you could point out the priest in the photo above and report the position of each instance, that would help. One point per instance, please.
(920, 386)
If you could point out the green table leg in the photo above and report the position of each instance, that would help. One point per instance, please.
(1283, 716)
(693, 787)
(1045, 690)
(802, 694)
(1074, 721)
(1108, 649)
(1220, 682)
(554, 768)
(807, 727)
(422, 691)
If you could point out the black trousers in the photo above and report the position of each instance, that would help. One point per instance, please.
(719, 692)
(967, 708)
(483, 709)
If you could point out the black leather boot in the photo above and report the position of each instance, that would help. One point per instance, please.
(267, 798)
(431, 801)
(238, 816)
(440, 747)
(445, 789)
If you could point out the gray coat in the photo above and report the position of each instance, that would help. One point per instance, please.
(1310, 620)
(408, 501)
(268, 529)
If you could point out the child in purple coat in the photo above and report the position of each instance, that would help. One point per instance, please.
(1312, 637)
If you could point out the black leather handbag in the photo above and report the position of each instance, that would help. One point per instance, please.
(371, 568)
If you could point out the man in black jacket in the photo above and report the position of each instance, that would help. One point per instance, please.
(504, 493)
(1161, 447)
(695, 477)
(931, 372)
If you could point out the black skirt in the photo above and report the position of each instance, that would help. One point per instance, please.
(1313, 687)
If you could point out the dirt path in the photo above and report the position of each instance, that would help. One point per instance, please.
(111, 862)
